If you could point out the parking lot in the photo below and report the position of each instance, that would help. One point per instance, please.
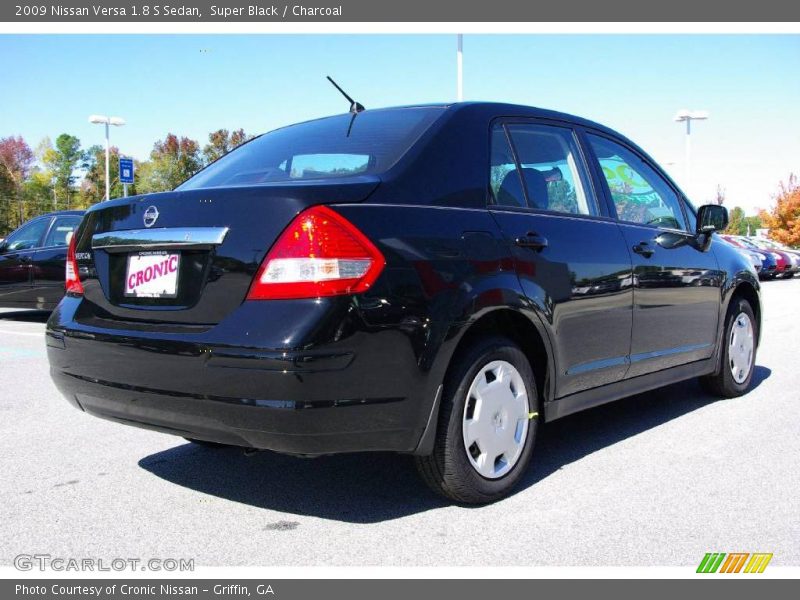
(659, 479)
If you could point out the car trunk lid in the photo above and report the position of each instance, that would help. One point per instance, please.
(189, 257)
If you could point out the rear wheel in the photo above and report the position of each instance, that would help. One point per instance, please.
(739, 352)
(487, 424)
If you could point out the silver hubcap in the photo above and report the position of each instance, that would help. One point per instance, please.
(495, 424)
(740, 348)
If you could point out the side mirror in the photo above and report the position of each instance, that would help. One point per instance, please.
(711, 218)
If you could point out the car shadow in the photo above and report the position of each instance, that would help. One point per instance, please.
(374, 487)
(24, 315)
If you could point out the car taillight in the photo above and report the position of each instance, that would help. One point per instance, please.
(72, 284)
(320, 253)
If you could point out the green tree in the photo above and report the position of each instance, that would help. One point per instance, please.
(221, 141)
(38, 192)
(93, 186)
(64, 161)
(752, 224)
(172, 162)
(736, 224)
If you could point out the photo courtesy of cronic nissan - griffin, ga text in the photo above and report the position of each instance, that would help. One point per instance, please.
(437, 280)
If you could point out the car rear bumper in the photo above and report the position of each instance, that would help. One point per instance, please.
(318, 400)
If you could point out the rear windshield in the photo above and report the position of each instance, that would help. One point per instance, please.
(339, 146)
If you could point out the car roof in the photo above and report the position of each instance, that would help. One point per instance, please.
(61, 213)
(503, 109)
(492, 110)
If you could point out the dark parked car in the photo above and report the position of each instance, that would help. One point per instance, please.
(435, 280)
(32, 260)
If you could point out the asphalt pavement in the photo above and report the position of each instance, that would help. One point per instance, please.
(657, 479)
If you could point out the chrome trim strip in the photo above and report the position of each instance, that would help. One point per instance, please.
(145, 239)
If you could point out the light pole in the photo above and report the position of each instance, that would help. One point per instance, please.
(687, 116)
(460, 68)
(116, 121)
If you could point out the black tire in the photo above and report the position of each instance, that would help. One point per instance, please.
(722, 383)
(448, 470)
(206, 444)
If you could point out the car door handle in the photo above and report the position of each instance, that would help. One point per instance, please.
(644, 249)
(532, 240)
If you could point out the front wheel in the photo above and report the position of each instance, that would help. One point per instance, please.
(487, 424)
(739, 352)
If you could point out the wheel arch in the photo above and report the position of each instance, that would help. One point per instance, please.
(748, 290)
(521, 326)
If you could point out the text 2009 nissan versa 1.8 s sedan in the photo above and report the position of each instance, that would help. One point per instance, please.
(436, 280)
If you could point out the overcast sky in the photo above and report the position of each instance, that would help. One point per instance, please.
(192, 84)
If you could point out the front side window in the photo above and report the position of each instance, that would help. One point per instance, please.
(549, 171)
(59, 232)
(639, 193)
(27, 236)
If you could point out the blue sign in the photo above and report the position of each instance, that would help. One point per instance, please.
(125, 170)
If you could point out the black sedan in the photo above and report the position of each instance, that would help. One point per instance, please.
(434, 280)
(32, 261)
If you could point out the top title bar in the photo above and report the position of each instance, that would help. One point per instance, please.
(406, 11)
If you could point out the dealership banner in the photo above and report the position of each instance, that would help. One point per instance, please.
(385, 589)
(406, 11)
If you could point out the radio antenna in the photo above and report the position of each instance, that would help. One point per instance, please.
(355, 107)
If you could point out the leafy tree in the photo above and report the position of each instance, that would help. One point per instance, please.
(39, 193)
(42, 188)
(783, 220)
(16, 162)
(739, 224)
(751, 224)
(65, 159)
(736, 224)
(221, 141)
(93, 187)
(172, 162)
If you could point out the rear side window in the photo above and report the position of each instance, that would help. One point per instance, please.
(340, 146)
(60, 231)
(504, 181)
(549, 176)
(640, 194)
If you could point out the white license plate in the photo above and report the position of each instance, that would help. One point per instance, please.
(152, 275)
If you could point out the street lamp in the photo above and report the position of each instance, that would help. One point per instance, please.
(460, 67)
(117, 122)
(687, 116)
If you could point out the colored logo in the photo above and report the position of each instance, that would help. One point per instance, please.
(734, 562)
